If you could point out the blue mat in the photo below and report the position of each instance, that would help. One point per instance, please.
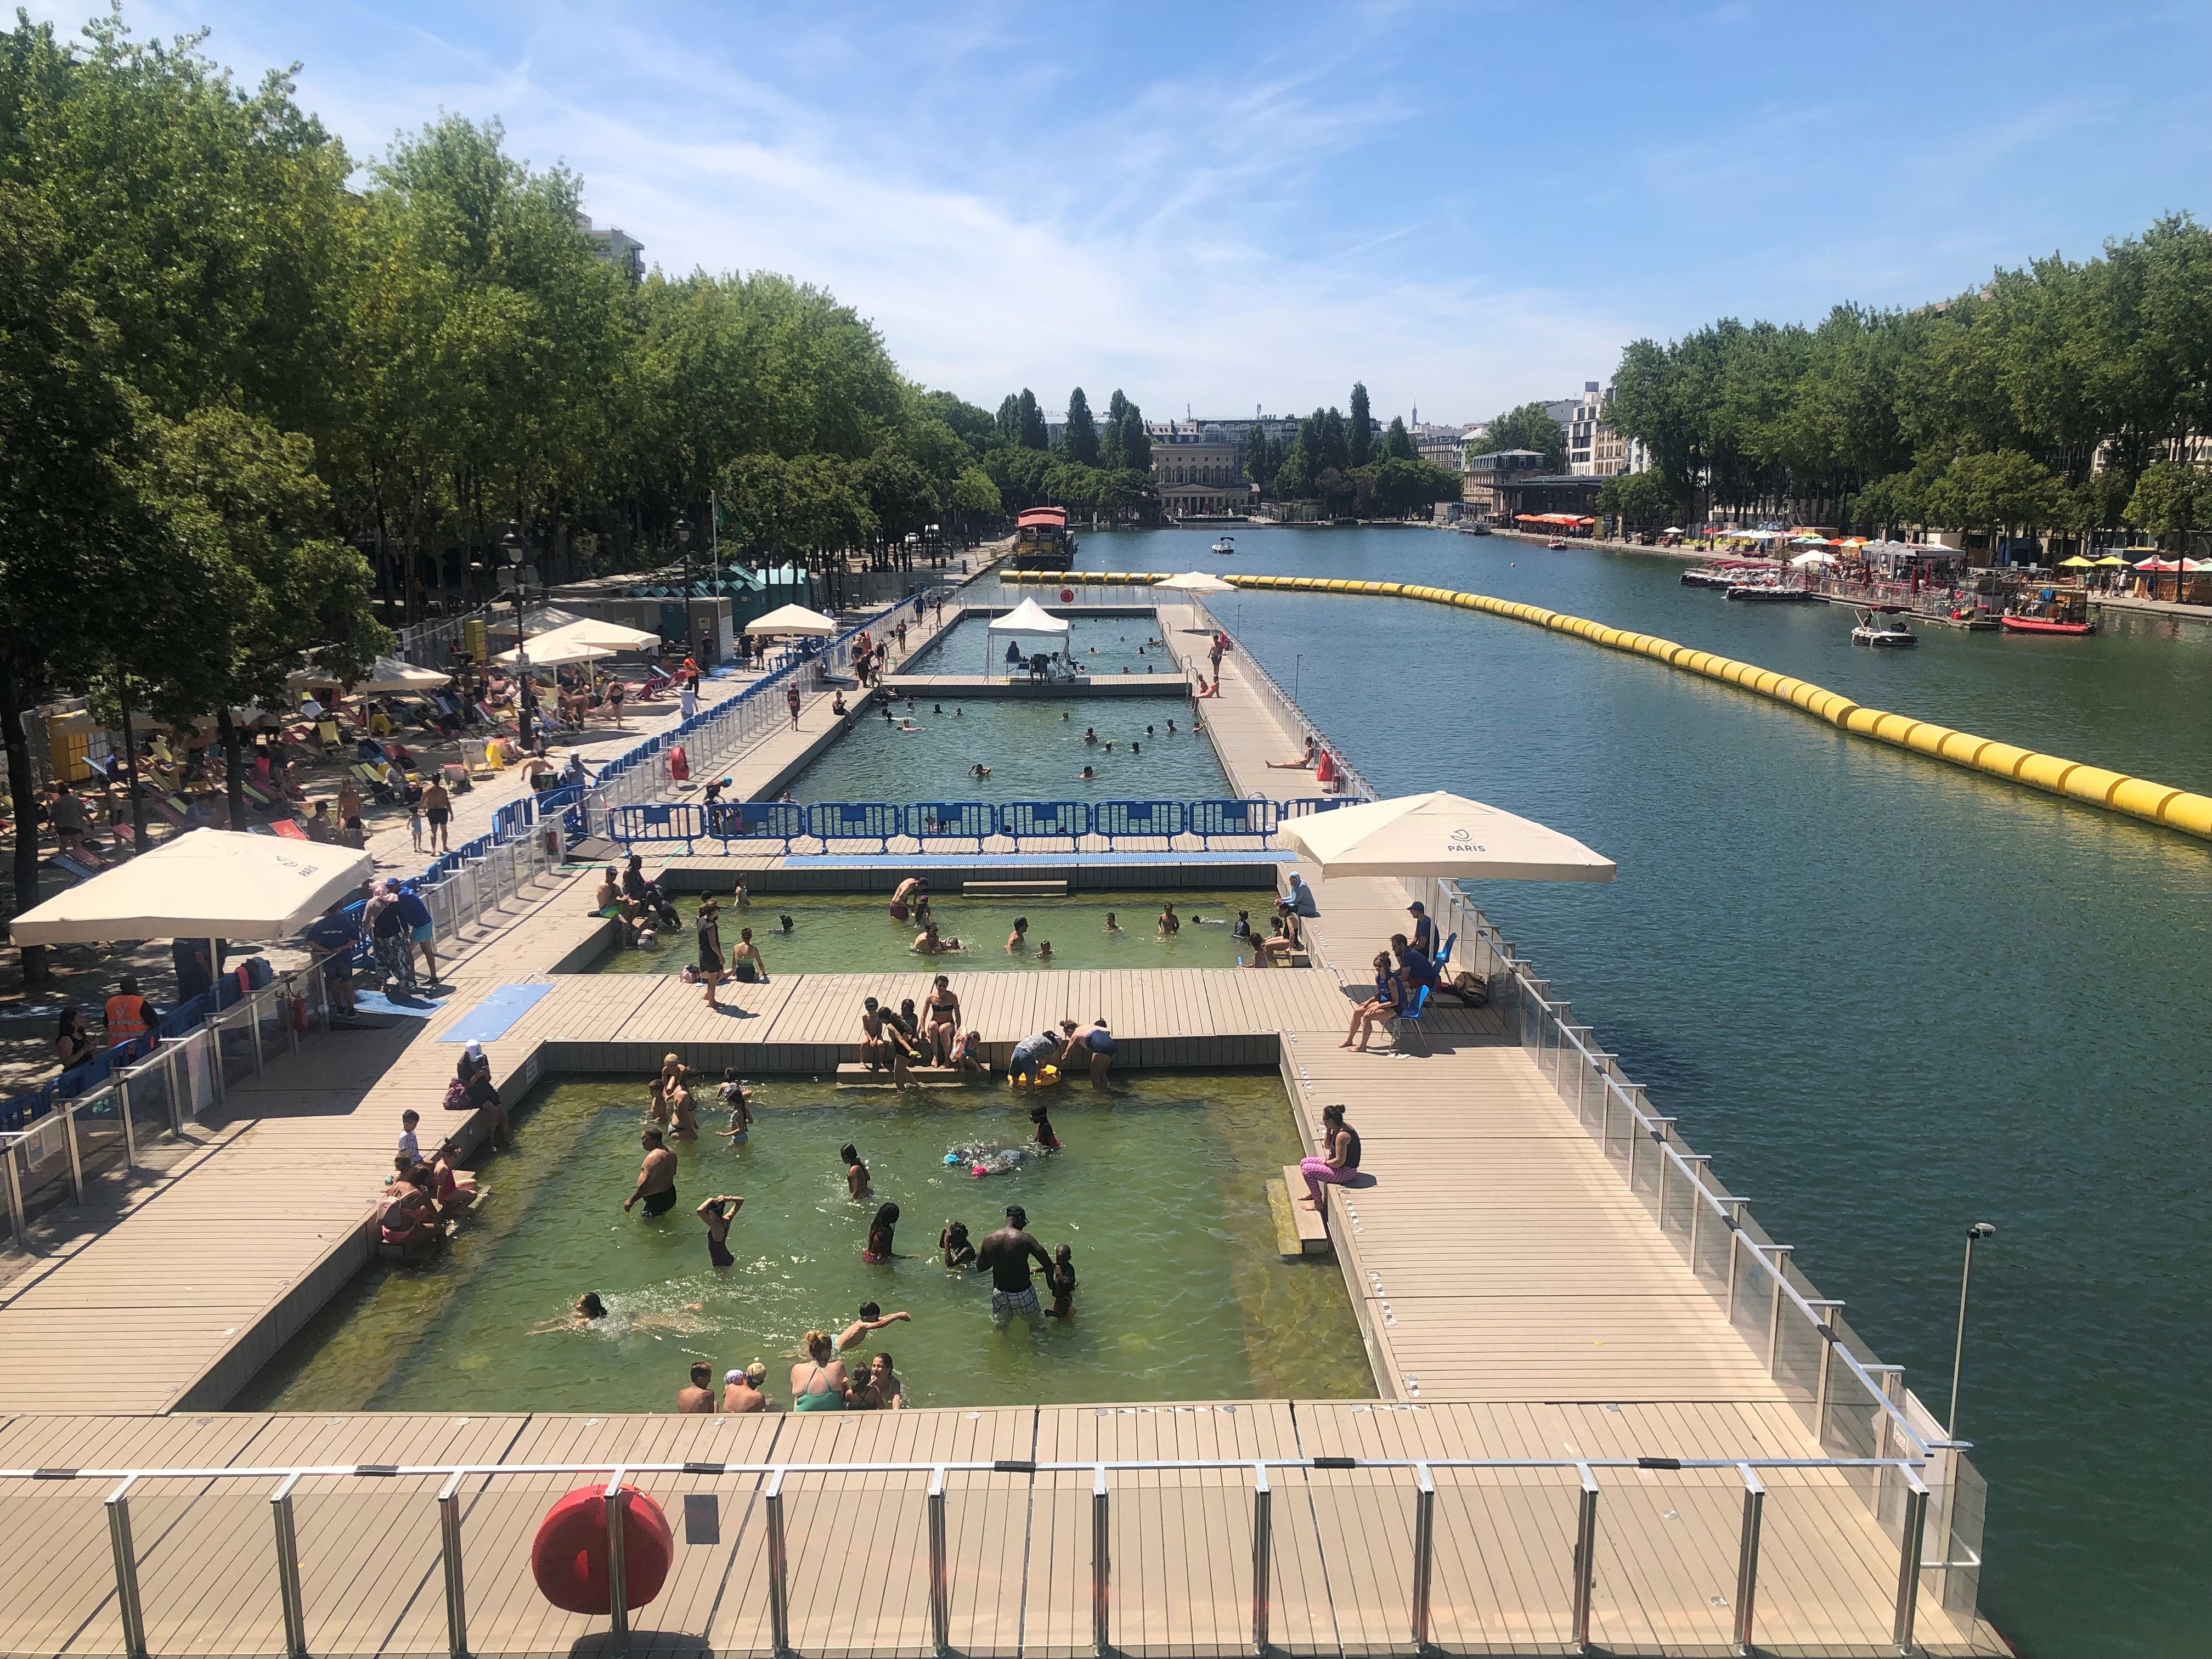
(495, 1017)
(417, 1006)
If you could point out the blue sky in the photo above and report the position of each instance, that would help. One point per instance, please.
(1237, 204)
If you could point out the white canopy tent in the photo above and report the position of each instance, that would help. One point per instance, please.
(551, 652)
(1028, 619)
(1442, 835)
(607, 635)
(1194, 582)
(208, 883)
(791, 619)
(1818, 556)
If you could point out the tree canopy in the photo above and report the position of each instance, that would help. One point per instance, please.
(1530, 426)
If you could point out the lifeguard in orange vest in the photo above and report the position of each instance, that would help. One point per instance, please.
(128, 1014)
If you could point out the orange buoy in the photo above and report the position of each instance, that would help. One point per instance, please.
(569, 1557)
(1067, 595)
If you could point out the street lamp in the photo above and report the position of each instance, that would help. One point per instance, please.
(518, 578)
(1979, 1231)
(683, 542)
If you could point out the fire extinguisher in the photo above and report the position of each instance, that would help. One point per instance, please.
(298, 1008)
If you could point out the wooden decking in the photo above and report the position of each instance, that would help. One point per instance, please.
(1516, 1299)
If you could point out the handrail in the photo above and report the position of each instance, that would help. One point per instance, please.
(1285, 707)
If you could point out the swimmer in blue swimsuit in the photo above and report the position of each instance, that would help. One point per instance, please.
(718, 1212)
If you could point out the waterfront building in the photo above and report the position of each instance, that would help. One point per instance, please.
(615, 246)
(1596, 449)
(1489, 477)
(1196, 475)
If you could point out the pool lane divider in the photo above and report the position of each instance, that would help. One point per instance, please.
(2093, 786)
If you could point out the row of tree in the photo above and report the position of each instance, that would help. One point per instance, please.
(2066, 396)
(1339, 462)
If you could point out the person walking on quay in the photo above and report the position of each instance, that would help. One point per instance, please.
(791, 700)
(710, 968)
(438, 813)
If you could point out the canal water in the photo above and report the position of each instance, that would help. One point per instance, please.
(1159, 1195)
(853, 933)
(1892, 998)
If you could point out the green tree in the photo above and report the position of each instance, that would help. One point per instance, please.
(1359, 437)
(1079, 439)
(1397, 442)
(1527, 427)
(1033, 433)
(1996, 491)
(1642, 500)
(1263, 459)
(2172, 498)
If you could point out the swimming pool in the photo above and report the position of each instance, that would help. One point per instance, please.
(1102, 645)
(1160, 1193)
(1035, 749)
(842, 933)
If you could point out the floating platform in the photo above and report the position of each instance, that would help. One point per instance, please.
(944, 688)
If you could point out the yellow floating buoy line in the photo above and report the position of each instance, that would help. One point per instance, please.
(2116, 791)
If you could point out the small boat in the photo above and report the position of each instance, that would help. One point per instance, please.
(1772, 592)
(1880, 630)
(2064, 613)
(1706, 577)
(1223, 546)
(2013, 624)
(1557, 544)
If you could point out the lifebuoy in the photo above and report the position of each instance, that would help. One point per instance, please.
(1067, 595)
(569, 1557)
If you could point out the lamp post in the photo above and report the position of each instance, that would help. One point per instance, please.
(518, 577)
(684, 544)
(1979, 1231)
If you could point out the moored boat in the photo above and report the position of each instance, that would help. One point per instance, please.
(1771, 593)
(2013, 624)
(2063, 612)
(1876, 630)
(1223, 546)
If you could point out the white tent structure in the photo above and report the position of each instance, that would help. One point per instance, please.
(1194, 582)
(1818, 556)
(607, 635)
(208, 883)
(791, 619)
(390, 674)
(548, 652)
(1028, 619)
(1442, 835)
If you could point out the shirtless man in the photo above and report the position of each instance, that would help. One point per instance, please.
(741, 1390)
(1006, 1254)
(1092, 1043)
(656, 1178)
(878, 1047)
(871, 1319)
(696, 1399)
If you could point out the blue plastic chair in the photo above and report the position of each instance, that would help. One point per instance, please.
(1410, 1019)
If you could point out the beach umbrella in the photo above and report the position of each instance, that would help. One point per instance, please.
(792, 619)
(2112, 561)
(1671, 530)
(207, 884)
(1441, 834)
(2077, 563)
(1194, 582)
(610, 635)
(550, 652)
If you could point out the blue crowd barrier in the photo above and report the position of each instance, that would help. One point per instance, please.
(1210, 818)
(952, 820)
(1028, 820)
(1118, 818)
(761, 821)
(855, 820)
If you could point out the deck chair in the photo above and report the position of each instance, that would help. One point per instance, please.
(326, 733)
(1409, 1019)
(289, 829)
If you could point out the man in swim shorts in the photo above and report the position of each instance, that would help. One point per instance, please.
(656, 1177)
(1032, 1053)
(1006, 1253)
(1092, 1041)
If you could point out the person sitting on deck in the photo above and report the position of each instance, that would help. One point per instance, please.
(968, 1058)
(1280, 946)
(1342, 1162)
(1388, 1002)
(697, 1398)
(1414, 967)
(1303, 763)
(1299, 898)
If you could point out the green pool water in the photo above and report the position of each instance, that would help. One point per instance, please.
(855, 933)
(1160, 1193)
(1035, 749)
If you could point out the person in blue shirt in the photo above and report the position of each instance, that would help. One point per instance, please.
(1300, 898)
(333, 937)
(1414, 967)
(196, 970)
(421, 933)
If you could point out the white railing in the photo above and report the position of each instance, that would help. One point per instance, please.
(1856, 1405)
(1287, 713)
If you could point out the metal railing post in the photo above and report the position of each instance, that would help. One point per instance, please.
(779, 1568)
(1908, 1561)
(1585, 1559)
(940, 1583)
(617, 1508)
(449, 1550)
(18, 1221)
(1735, 1246)
(1263, 1553)
(1101, 1528)
(1747, 1556)
(288, 1568)
(1828, 1339)
(122, 1111)
(253, 1025)
(76, 1152)
(1781, 1254)
(127, 1570)
(1424, 1536)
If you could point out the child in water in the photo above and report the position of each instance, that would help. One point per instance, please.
(1060, 1279)
(735, 1097)
(1045, 1138)
(953, 1241)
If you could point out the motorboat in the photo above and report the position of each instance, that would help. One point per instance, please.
(1557, 544)
(1876, 630)
(2013, 624)
(2056, 612)
(1772, 592)
(1224, 546)
(1706, 577)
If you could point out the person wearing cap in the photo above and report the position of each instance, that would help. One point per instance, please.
(1424, 931)
(474, 1072)
(1007, 1252)
(1092, 1042)
(741, 1390)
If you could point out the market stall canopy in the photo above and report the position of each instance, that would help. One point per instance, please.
(792, 619)
(2112, 561)
(1194, 582)
(1442, 835)
(551, 652)
(1029, 617)
(2154, 563)
(208, 883)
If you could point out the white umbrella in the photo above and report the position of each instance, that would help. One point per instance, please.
(1819, 555)
(1028, 617)
(208, 883)
(607, 635)
(390, 674)
(1194, 582)
(550, 652)
(792, 619)
(1442, 835)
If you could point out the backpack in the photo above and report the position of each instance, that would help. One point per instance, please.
(457, 1095)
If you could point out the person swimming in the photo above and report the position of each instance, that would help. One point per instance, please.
(979, 770)
(877, 1250)
(856, 1173)
(953, 1241)
(1136, 748)
(1090, 734)
(784, 925)
(1045, 1138)
(1044, 951)
(1019, 939)
(1089, 773)
(1112, 926)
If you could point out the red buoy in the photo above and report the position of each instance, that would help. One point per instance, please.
(569, 1557)
(679, 764)
(1067, 595)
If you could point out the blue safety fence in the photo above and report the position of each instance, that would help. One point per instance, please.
(856, 820)
(781, 821)
(952, 820)
(1211, 818)
(1045, 820)
(1121, 820)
